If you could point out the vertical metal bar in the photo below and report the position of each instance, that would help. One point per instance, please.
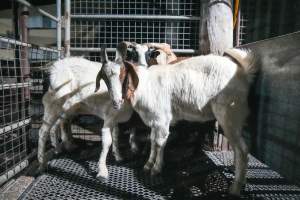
(58, 27)
(25, 74)
(67, 27)
(25, 70)
(15, 7)
(238, 28)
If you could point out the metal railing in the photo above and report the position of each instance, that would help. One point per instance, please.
(95, 23)
(22, 82)
(16, 95)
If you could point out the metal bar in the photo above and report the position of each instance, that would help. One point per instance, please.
(15, 13)
(189, 51)
(25, 69)
(16, 42)
(14, 85)
(58, 26)
(15, 170)
(46, 14)
(167, 17)
(15, 125)
(67, 27)
(238, 28)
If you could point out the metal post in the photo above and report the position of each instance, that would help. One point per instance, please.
(25, 69)
(238, 28)
(58, 27)
(67, 27)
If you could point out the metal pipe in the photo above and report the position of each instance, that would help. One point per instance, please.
(58, 27)
(238, 28)
(189, 51)
(46, 14)
(16, 42)
(166, 17)
(67, 27)
(24, 62)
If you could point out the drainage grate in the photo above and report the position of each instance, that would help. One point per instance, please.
(199, 177)
(70, 179)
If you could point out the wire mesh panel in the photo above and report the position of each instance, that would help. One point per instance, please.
(268, 18)
(97, 23)
(136, 7)
(16, 91)
(40, 61)
(14, 105)
(94, 33)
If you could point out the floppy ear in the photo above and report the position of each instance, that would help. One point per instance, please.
(131, 81)
(154, 54)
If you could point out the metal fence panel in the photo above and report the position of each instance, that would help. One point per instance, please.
(95, 23)
(136, 7)
(17, 91)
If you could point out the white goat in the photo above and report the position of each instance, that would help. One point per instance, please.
(78, 96)
(196, 89)
(71, 92)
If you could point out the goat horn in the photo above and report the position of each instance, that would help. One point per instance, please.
(104, 57)
(98, 79)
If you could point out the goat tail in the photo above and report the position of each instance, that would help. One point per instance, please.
(245, 58)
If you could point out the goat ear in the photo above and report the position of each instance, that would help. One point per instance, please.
(104, 57)
(154, 54)
(133, 79)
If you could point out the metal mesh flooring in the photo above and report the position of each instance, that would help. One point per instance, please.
(206, 176)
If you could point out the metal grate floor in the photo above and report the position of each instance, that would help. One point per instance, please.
(206, 176)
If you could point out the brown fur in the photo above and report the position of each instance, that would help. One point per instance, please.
(178, 60)
(128, 74)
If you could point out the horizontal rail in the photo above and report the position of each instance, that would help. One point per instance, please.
(166, 17)
(15, 125)
(43, 12)
(16, 42)
(14, 85)
(13, 171)
(188, 51)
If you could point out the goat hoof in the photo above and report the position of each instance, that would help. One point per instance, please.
(148, 166)
(101, 178)
(58, 150)
(41, 168)
(119, 158)
(69, 146)
(154, 171)
(102, 175)
(134, 150)
(234, 190)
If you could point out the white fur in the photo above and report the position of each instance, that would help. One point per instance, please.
(62, 103)
(75, 76)
(197, 89)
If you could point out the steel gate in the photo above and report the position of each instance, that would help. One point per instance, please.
(108, 22)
